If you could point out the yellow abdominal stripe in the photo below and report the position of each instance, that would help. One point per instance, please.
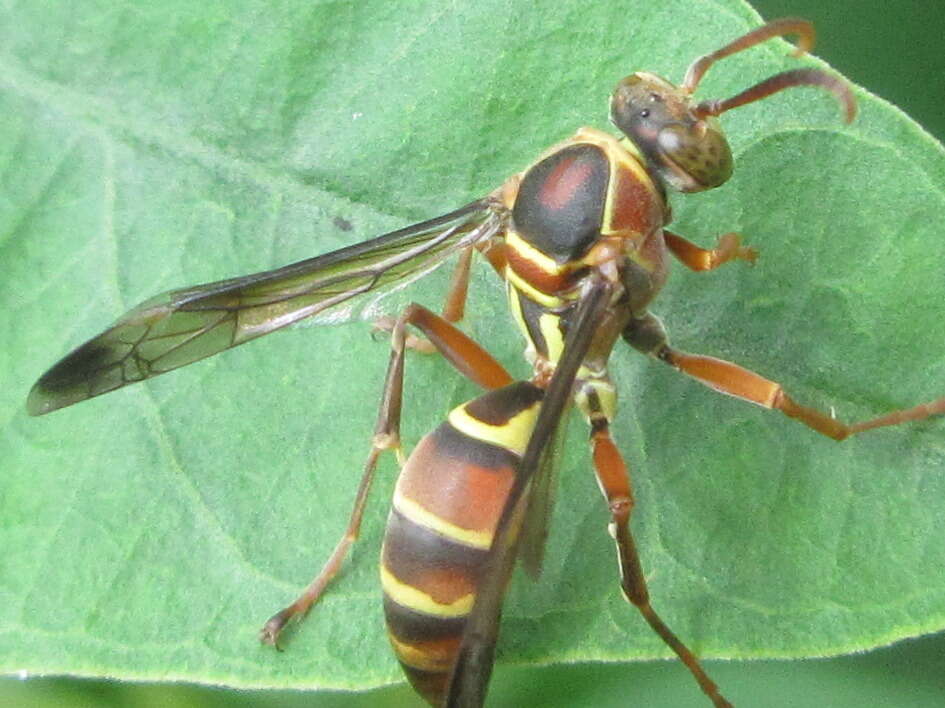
(419, 658)
(513, 435)
(422, 517)
(408, 596)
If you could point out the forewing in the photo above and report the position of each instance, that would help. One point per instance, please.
(541, 504)
(473, 666)
(183, 326)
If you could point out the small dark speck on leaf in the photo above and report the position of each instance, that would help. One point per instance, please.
(342, 223)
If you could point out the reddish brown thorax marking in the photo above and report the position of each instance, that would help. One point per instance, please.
(634, 205)
(566, 178)
(534, 275)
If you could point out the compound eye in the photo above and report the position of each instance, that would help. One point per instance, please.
(699, 154)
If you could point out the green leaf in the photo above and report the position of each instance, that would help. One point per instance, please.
(148, 534)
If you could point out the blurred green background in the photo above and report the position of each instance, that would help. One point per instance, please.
(894, 49)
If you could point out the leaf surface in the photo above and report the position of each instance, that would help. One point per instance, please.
(149, 533)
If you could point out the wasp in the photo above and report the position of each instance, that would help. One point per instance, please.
(580, 240)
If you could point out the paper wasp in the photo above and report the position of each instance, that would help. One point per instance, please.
(579, 239)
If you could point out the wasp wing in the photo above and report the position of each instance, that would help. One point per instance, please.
(470, 678)
(183, 326)
(541, 505)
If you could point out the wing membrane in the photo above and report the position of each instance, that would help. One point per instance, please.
(183, 326)
(541, 504)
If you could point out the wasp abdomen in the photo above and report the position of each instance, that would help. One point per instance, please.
(448, 501)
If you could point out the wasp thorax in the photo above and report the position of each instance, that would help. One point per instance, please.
(688, 152)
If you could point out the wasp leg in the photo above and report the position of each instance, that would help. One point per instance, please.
(646, 334)
(460, 350)
(269, 634)
(727, 249)
(614, 481)
(469, 359)
(454, 306)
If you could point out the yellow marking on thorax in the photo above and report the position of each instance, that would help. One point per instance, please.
(531, 293)
(631, 147)
(623, 154)
(513, 435)
(428, 520)
(516, 306)
(408, 596)
(633, 163)
(606, 396)
(622, 150)
(532, 254)
(554, 341)
(646, 263)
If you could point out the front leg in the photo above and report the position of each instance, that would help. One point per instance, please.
(647, 335)
(727, 249)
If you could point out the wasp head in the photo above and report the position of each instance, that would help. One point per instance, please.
(680, 138)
